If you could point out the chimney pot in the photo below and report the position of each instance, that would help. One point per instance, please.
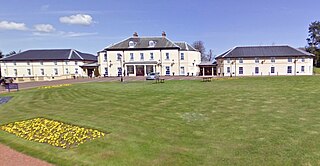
(164, 34)
(135, 34)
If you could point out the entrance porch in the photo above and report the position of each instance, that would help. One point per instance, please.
(207, 69)
(140, 68)
(91, 69)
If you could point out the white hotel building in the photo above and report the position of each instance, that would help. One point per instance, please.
(138, 56)
(264, 61)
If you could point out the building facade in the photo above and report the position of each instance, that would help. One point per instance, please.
(264, 61)
(138, 56)
(39, 65)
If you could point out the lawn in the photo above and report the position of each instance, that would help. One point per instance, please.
(246, 121)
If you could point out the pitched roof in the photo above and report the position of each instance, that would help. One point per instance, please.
(184, 46)
(52, 54)
(263, 51)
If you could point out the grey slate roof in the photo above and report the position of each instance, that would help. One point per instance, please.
(263, 51)
(184, 46)
(50, 54)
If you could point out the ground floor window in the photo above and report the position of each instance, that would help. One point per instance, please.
(76, 71)
(67, 71)
(119, 71)
(272, 70)
(149, 69)
(167, 70)
(106, 71)
(256, 70)
(130, 69)
(240, 70)
(302, 69)
(289, 69)
(55, 70)
(42, 71)
(181, 70)
(29, 71)
(228, 69)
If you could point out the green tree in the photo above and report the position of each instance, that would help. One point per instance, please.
(314, 41)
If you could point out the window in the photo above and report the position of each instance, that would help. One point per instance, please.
(76, 71)
(256, 60)
(105, 57)
(167, 70)
(131, 44)
(256, 70)
(66, 62)
(75, 62)
(240, 70)
(14, 63)
(119, 71)
(131, 56)
(240, 60)
(289, 69)
(289, 59)
(151, 43)
(182, 56)
(272, 70)
(151, 56)
(228, 69)
(141, 56)
(42, 72)
(273, 59)
(28, 63)
(181, 70)
(55, 62)
(302, 59)
(29, 71)
(41, 62)
(228, 60)
(106, 71)
(130, 69)
(56, 71)
(302, 69)
(167, 56)
(119, 57)
(67, 71)
(15, 71)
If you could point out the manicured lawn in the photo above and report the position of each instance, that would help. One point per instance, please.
(316, 70)
(247, 121)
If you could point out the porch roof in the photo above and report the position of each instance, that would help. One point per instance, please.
(141, 62)
(90, 65)
(207, 63)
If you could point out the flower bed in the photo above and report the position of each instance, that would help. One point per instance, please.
(54, 86)
(55, 133)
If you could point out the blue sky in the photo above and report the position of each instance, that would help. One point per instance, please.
(89, 26)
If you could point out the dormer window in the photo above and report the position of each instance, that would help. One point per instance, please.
(151, 43)
(131, 44)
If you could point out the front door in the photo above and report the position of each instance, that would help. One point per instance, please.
(208, 71)
(139, 70)
(90, 72)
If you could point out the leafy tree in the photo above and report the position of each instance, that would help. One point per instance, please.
(314, 41)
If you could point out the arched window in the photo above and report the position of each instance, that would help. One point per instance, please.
(131, 44)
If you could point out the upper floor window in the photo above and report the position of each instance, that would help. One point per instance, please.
(131, 56)
(15, 71)
(119, 57)
(256, 60)
(41, 62)
(105, 57)
(151, 56)
(14, 63)
(141, 56)
(131, 44)
(302, 69)
(182, 56)
(289, 59)
(66, 62)
(167, 56)
(55, 62)
(273, 59)
(67, 71)
(151, 43)
(76, 70)
(228, 60)
(302, 59)
(28, 63)
(75, 62)
(240, 60)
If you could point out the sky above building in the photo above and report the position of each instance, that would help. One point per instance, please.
(89, 26)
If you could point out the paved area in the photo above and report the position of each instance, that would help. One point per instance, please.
(10, 157)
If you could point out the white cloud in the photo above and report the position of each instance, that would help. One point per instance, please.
(5, 25)
(79, 19)
(65, 34)
(44, 28)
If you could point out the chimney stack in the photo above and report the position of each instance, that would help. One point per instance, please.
(164, 34)
(135, 34)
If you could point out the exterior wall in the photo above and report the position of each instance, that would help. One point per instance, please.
(159, 61)
(280, 66)
(31, 70)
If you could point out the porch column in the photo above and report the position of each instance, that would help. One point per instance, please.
(134, 70)
(203, 68)
(145, 69)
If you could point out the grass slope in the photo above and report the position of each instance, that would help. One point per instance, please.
(247, 121)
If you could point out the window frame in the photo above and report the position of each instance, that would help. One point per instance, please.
(182, 56)
(256, 70)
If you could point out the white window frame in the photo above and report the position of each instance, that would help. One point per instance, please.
(29, 72)
(240, 60)
(167, 56)
(131, 56)
(274, 69)
(228, 70)
(42, 72)
(273, 59)
(289, 59)
(256, 71)
(241, 70)
(302, 69)
(289, 70)
(151, 56)
(256, 60)
(142, 56)
(182, 56)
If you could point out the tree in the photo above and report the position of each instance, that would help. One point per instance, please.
(1, 54)
(314, 41)
(210, 55)
(199, 45)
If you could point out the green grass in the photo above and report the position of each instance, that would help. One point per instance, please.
(247, 121)
(316, 70)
